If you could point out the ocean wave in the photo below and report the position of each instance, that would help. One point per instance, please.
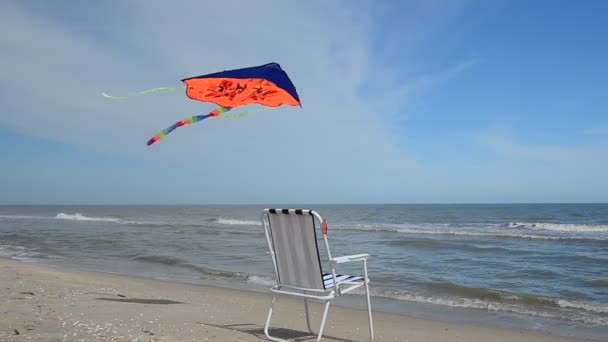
(160, 259)
(464, 291)
(561, 227)
(80, 217)
(499, 301)
(261, 280)
(593, 307)
(499, 296)
(73, 217)
(22, 217)
(426, 230)
(601, 283)
(204, 223)
(173, 226)
(461, 291)
(175, 261)
(22, 253)
(440, 244)
(214, 273)
(228, 221)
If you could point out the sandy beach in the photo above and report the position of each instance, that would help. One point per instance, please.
(42, 303)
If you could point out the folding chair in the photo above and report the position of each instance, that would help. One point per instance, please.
(292, 240)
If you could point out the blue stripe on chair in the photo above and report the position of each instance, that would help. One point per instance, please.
(328, 280)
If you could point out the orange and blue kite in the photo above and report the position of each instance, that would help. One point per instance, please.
(267, 85)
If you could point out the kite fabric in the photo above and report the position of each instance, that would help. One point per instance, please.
(144, 92)
(267, 85)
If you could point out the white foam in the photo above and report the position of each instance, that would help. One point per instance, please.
(22, 217)
(80, 217)
(238, 222)
(593, 307)
(64, 216)
(442, 230)
(10, 250)
(471, 303)
(465, 232)
(23, 254)
(457, 303)
(260, 280)
(561, 227)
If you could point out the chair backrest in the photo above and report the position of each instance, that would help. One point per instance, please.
(292, 239)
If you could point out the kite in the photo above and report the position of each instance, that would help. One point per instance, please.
(267, 85)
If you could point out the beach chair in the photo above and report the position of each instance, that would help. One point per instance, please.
(292, 240)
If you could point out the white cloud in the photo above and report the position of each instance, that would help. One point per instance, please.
(532, 172)
(502, 142)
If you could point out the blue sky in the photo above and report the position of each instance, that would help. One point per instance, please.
(403, 102)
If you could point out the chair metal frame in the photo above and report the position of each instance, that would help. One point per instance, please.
(323, 296)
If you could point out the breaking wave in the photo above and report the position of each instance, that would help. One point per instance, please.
(442, 245)
(80, 217)
(22, 217)
(561, 227)
(233, 222)
(593, 307)
(455, 231)
(500, 301)
(206, 271)
(71, 217)
(261, 280)
(160, 259)
(22, 253)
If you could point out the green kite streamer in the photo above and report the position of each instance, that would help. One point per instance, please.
(143, 92)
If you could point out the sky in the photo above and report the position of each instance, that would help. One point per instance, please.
(402, 102)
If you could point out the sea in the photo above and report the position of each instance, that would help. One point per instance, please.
(540, 267)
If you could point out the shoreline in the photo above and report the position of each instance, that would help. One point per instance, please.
(47, 303)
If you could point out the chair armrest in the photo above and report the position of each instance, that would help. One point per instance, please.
(349, 258)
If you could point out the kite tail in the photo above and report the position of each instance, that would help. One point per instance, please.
(187, 121)
(194, 119)
(143, 92)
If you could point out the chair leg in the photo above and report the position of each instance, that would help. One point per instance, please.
(369, 305)
(323, 320)
(319, 335)
(307, 317)
(268, 323)
(325, 310)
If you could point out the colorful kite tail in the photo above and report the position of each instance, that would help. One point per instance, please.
(187, 121)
